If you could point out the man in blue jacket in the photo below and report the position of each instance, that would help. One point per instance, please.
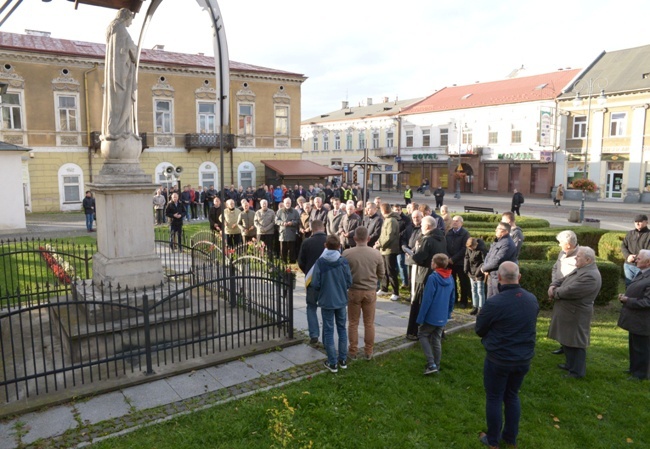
(437, 304)
(331, 279)
(507, 327)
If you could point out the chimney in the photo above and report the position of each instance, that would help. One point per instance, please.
(344, 104)
(369, 102)
(159, 47)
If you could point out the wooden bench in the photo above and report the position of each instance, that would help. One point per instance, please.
(489, 210)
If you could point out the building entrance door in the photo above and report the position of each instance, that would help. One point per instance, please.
(614, 184)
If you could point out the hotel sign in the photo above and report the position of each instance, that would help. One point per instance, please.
(425, 156)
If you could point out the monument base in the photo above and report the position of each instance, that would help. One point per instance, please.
(133, 272)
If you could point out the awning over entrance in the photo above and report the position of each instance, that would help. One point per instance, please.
(299, 169)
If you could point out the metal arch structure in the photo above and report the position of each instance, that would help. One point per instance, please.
(221, 59)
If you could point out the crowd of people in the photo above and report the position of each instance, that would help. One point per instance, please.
(352, 252)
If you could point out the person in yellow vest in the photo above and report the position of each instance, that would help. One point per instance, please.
(408, 194)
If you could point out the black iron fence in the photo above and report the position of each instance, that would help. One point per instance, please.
(59, 329)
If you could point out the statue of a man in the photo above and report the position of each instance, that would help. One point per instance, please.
(119, 79)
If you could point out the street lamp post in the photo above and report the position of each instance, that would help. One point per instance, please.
(460, 166)
(589, 84)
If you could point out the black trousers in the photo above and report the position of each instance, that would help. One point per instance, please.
(391, 277)
(639, 355)
(576, 360)
(412, 328)
(460, 277)
(515, 210)
(288, 251)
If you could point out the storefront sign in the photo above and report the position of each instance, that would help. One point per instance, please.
(615, 157)
(545, 128)
(425, 156)
(517, 156)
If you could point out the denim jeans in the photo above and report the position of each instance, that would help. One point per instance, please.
(630, 271)
(502, 384)
(329, 317)
(89, 222)
(431, 341)
(312, 312)
(478, 293)
(403, 268)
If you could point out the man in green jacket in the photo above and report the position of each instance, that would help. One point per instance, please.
(388, 245)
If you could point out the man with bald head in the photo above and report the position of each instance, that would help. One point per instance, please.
(507, 327)
(635, 317)
(573, 299)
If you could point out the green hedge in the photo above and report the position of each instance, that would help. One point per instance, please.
(536, 278)
(493, 219)
(609, 248)
(539, 251)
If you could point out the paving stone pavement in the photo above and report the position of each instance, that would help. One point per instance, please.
(82, 422)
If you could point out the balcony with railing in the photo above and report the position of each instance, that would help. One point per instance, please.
(209, 141)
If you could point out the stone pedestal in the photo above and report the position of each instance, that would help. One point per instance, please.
(125, 235)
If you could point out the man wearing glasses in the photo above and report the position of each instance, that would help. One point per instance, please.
(502, 250)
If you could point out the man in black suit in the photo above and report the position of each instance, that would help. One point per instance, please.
(635, 318)
(310, 250)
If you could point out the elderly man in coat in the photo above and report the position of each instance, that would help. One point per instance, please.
(635, 318)
(573, 297)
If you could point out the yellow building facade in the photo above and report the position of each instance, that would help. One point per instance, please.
(53, 107)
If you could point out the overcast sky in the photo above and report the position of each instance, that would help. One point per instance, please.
(355, 49)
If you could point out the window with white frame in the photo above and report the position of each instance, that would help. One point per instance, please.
(67, 113)
(11, 111)
(493, 136)
(337, 141)
(163, 116)
(208, 175)
(362, 140)
(315, 143)
(375, 140)
(245, 120)
(207, 118)
(326, 141)
(282, 120)
(467, 136)
(426, 137)
(348, 141)
(389, 139)
(409, 139)
(516, 134)
(247, 173)
(444, 137)
(617, 124)
(580, 127)
(71, 182)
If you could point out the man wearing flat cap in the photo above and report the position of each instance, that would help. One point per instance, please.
(634, 241)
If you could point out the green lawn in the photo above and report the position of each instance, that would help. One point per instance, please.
(388, 403)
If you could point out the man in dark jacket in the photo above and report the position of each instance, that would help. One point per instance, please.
(88, 204)
(502, 250)
(634, 241)
(517, 201)
(432, 243)
(439, 194)
(507, 327)
(372, 220)
(635, 318)
(214, 215)
(456, 246)
(175, 212)
(310, 250)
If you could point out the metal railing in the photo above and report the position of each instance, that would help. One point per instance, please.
(63, 331)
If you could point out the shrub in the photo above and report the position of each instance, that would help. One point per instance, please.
(481, 220)
(536, 278)
(609, 248)
(539, 251)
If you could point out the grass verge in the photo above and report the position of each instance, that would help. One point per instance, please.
(388, 403)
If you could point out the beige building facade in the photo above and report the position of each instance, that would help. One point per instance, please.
(53, 107)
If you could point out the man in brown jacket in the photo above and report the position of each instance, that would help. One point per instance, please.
(367, 267)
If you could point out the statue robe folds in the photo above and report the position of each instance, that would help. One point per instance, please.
(119, 142)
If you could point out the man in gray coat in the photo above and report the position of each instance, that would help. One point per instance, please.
(635, 318)
(573, 308)
(288, 220)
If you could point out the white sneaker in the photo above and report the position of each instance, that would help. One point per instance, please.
(394, 298)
